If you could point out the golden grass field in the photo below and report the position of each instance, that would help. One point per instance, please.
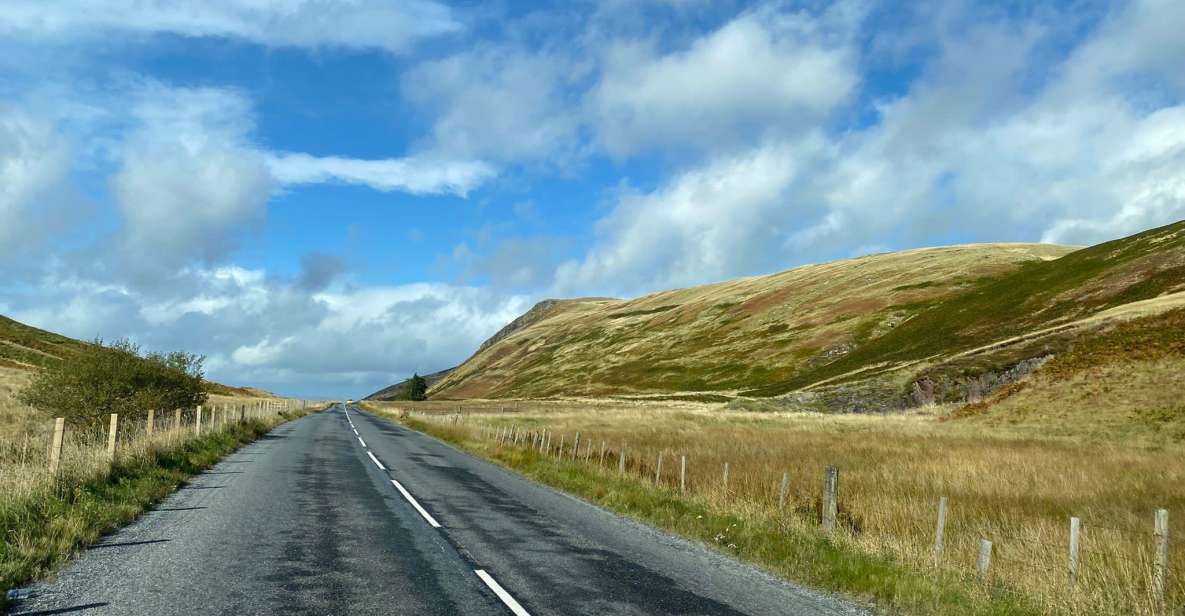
(1010, 484)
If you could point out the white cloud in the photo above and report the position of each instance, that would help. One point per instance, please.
(764, 71)
(190, 183)
(990, 143)
(392, 26)
(34, 159)
(710, 222)
(413, 175)
(499, 103)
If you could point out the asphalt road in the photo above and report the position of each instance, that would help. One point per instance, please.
(344, 513)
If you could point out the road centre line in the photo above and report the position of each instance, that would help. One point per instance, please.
(427, 516)
(376, 461)
(362, 441)
(502, 594)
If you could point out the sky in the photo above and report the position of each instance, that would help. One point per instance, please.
(324, 196)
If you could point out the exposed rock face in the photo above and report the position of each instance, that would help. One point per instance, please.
(534, 315)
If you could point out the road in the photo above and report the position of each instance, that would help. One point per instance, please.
(342, 512)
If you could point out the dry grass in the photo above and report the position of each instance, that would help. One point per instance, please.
(1018, 491)
(726, 336)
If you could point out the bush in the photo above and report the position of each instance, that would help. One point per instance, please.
(118, 378)
(415, 388)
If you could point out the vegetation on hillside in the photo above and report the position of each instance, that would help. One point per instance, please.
(99, 379)
(726, 336)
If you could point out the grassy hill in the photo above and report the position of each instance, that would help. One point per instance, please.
(25, 349)
(877, 332)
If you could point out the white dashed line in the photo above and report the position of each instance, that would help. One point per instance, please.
(427, 516)
(362, 441)
(502, 594)
(376, 461)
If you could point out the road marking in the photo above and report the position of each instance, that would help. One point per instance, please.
(376, 461)
(502, 594)
(427, 516)
(361, 441)
(355, 431)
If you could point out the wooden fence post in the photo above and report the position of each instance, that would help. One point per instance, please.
(1075, 532)
(112, 430)
(575, 446)
(940, 531)
(830, 498)
(148, 427)
(243, 414)
(783, 490)
(683, 474)
(985, 558)
(55, 447)
(1160, 570)
(621, 462)
(197, 422)
(658, 470)
(602, 462)
(559, 453)
(724, 482)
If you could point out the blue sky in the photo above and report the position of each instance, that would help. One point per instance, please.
(323, 197)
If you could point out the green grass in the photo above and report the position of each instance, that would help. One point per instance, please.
(44, 531)
(786, 549)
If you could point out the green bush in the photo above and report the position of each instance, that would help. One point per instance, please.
(117, 378)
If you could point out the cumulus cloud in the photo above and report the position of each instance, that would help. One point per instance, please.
(991, 142)
(190, 183)
(34, 159)
(767, 70)
(392, 26)
(499, 102)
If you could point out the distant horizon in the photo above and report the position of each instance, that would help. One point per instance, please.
(321, 197)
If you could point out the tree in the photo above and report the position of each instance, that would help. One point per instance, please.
(415, 388)
(87, 386)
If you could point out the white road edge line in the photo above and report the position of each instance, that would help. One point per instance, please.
(376, 461)
(427, 516)
(502, 594)
(362, 441)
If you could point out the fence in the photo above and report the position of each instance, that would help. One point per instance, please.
(67, 455)
(1094, 566)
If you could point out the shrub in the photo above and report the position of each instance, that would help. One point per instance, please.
(117, 378)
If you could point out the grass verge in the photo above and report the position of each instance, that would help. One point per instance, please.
(776, 544)
(42, 531)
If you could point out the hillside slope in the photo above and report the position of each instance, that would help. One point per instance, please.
(728, 336)
(874, 333)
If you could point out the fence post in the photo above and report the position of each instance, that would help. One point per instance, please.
(985, 558)
(830, 498)
(111, 432)
(602, 462)
(724, 482)
(683, 474)
(658, 470)
(783, 490)
(559, 453)
(621, 462)
(1075, 531)
(197, 422)
(242, 414)
(940, 531)
(55, 448)
(575, 446)
(151, 421)
(1160, 570)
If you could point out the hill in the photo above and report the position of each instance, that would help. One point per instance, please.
(25, 349)
(873, 333)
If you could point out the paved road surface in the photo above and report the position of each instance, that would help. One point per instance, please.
(344, 513)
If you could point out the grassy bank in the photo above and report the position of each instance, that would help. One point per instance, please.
(1016, 490)
(44, 522)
